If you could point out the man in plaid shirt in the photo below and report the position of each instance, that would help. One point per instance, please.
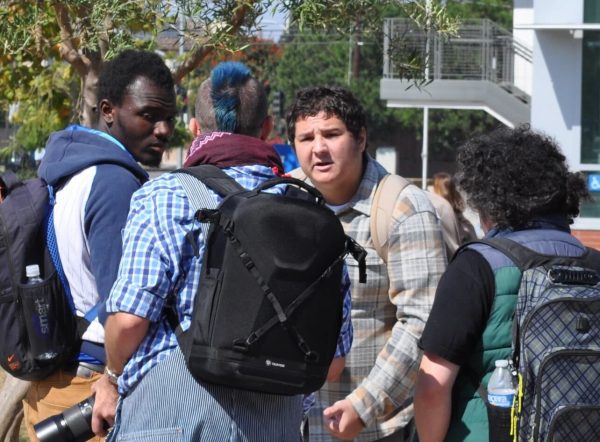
(372, 400)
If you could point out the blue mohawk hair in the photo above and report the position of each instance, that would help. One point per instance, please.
(226, 77)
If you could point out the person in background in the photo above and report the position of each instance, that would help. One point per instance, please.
(95, 172)
(443, 185)
(372, 400)
(519, 197)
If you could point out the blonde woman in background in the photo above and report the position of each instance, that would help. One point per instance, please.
(443, 185)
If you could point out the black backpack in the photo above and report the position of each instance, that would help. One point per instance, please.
(268, 310)
(34, 319)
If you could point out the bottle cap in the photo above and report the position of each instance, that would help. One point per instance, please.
(501, 363)
(32, 270)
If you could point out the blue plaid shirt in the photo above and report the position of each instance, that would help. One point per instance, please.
(158, 261)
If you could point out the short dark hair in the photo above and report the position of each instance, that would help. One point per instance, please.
(232, 100)
(333, 101)
(120, 72)
(512, 176)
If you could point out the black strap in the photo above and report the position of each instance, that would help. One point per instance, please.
(525, 258)
(292, 306)
(214, 178)
(281, 315)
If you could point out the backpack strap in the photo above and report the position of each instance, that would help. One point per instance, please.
(213, 177)
(525, 258)
(52, 244)
(194, 181)
(386, 194)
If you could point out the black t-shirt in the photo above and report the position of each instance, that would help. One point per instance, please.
(461, 308)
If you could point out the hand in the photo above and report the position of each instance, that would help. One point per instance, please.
(342, 420)
(105, 406)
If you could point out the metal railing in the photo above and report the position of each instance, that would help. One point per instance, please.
(482, 50)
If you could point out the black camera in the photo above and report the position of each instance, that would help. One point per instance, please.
(72, 425)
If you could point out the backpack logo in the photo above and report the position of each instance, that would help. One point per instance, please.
(12, 363)
(270, 363)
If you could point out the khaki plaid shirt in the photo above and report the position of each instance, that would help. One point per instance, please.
(389, 312)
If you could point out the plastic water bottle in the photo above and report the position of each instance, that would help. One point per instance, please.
(32, 272)
(501, 388)
(39, 323)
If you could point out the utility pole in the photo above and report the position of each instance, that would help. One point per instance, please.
(425, 147)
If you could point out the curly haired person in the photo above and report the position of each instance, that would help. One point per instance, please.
(519, 183)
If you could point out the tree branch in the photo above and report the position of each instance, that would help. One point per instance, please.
(202, 51)
(67, 48)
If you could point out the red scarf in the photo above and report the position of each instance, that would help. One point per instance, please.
(223, 149)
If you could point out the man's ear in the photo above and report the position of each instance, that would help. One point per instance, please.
(194, 127)
(266, 128)
(106, 111)
(362, 139)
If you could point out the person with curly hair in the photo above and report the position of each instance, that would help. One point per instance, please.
(519, 183)
(444, 186)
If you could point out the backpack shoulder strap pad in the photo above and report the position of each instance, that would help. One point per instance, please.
(525, 258)
(214, 178)
(384, 200)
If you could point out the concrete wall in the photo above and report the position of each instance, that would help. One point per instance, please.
(558, 11)
(523, 15)
(556, 98)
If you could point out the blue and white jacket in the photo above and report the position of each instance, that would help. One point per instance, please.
(94, 177)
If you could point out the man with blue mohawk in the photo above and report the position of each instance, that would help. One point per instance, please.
(160, 271)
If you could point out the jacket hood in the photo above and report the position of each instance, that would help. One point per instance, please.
(74, 149)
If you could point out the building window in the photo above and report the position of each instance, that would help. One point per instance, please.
(590, 99)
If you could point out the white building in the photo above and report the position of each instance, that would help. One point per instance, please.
(546, 73)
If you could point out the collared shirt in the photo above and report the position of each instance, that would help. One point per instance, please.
(159, 261)
(389, 312)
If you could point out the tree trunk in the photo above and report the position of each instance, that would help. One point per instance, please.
(88, 99)
(12, 393)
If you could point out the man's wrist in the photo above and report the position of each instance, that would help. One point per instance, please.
(112, 376)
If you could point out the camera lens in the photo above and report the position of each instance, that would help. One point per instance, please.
(73, 425)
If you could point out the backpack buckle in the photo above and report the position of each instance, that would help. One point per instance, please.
(243, 345)
(208, 215)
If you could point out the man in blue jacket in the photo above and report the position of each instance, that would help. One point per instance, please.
(94, 173)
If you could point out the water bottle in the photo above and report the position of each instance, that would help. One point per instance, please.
(32, 272)
(501, 392)
(37, 307)
(501, 389)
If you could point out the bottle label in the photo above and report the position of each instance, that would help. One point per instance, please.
(503, 400)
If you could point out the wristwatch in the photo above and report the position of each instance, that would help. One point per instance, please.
(111, 375)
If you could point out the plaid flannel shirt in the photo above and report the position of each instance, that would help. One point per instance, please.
(389, 312)
(158, 261)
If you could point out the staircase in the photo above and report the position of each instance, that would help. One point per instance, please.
(473, 70)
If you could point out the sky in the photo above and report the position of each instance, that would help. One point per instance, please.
(273, 25)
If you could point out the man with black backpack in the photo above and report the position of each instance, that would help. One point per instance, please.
(529, 294)
(207, 336)
(93, 173)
